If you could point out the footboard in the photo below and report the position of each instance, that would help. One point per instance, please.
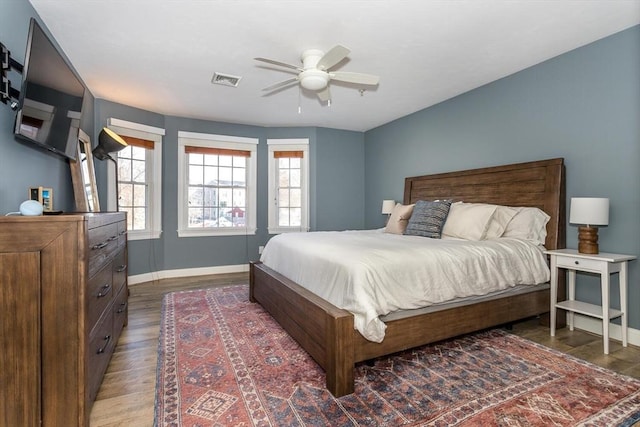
(323, 330)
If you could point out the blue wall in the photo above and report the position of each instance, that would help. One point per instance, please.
(336, 161)
(339, 180)
(583, 106)
(23, 165)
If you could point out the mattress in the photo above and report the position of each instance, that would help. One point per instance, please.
(372, 274)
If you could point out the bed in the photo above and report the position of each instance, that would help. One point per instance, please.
(327, 332)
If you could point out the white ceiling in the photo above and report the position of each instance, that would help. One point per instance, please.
(160, 55)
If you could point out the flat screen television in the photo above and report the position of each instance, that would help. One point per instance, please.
(51, 97)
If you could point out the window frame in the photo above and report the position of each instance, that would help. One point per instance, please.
(225, 142)
(289, 144)
(153, 177)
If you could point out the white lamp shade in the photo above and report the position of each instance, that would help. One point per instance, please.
(589, 211)
(387, 206)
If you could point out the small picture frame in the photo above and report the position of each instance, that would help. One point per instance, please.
(44, 195)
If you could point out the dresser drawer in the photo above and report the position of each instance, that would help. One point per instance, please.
(103, 242)
(119, 270)
(122, 233)
(99, 295)
(101, 345)
(120, 312)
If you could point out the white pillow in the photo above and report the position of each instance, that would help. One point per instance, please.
(399, 218)
(528, 224)
(499, 221)
(468, 221)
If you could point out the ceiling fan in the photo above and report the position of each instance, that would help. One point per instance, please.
(315, 73)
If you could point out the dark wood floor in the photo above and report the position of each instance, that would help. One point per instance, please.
(126, 397)
(584, 345)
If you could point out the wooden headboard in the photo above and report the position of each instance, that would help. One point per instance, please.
(538, 184)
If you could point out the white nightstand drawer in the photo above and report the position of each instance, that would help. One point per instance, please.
(581, 264)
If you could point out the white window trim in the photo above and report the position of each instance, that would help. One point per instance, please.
(219, 141)
(136, 130)
(296, 144)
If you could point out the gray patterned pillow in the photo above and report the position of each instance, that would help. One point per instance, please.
(428, 218)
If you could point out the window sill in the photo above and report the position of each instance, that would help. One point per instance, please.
(220, 232)
(280, 230)
(143, 234)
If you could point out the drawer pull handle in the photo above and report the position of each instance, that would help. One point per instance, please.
(99, 245)
(107, 338)
(123, 307)
(112, 238)
(121, 268)
(123, 232)
(577, 262)
(104, 291)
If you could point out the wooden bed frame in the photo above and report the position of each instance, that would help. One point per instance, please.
(327, 332)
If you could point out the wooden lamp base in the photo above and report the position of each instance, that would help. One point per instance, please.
(588, 240)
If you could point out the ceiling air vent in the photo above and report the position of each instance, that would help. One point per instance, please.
(225, 79)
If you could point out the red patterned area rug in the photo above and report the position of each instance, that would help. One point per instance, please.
(224, 361)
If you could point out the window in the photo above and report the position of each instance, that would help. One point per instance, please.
(139, 179)
(288, 185)
(217, 185)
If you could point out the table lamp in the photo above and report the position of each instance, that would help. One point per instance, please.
(589, 212)
(387, 207)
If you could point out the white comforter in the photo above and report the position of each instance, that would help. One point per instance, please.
(371, 273)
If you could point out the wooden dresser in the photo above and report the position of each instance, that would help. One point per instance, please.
(63, 304)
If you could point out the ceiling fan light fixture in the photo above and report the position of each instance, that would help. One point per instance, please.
(317, 73)
(314, 79)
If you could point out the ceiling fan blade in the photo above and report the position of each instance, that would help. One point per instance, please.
(324, 95)
(282, 64)
(331, 58)
(359, 78)
(281, 84)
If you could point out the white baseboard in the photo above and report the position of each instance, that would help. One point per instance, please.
(187, 272)
(594, 326)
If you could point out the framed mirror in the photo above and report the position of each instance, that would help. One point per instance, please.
(83, 176)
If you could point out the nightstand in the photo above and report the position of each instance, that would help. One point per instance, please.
(604, 264)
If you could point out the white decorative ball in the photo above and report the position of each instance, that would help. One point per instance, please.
(31, 208)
